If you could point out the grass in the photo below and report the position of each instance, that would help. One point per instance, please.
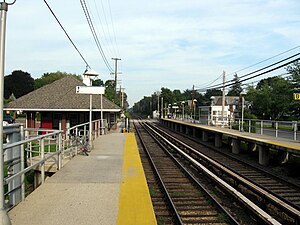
(152, 192)
(222, 217)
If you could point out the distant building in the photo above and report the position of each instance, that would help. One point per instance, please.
(212, 115)
(60, 107)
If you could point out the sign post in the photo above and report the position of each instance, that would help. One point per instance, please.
(91, 90)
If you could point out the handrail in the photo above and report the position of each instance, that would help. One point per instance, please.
(34, 147)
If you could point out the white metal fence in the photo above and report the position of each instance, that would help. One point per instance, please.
(31, 149)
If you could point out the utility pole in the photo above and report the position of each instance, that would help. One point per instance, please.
(122, 96)
(158, 105)
(223, 97)
(116, 76)
(162, 108)
(4, 219)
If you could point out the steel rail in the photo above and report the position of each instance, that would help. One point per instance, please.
(261, 214)
(200, 186)
(273, 198)
(266, 173)
(168, 197)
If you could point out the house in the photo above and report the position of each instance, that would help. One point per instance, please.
(212, 115)
(60, 107)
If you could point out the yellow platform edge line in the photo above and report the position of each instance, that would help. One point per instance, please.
(135, 206)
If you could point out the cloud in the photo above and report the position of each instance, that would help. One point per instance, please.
(173, 44)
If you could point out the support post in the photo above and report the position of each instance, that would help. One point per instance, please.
(235, 144)
(90, 122)
(60, 149)
(4, 219)
(218, 140)
(263, 155)
(204, 136)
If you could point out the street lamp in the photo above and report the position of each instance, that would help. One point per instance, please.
(194, 105)
(243, 103)
(182, 103)
(175, 107)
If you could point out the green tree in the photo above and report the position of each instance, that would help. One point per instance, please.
(98, 82)
(48, 78)
(294, 71)
(178, 96)
(110, 92)
(167, 95)
(236, 89)
(271, 98)
(209, 93)
(18, 83)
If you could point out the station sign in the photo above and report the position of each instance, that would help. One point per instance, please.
(92, 90)
(297, 96)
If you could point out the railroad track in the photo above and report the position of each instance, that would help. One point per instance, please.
(277, 197)
(186, 200)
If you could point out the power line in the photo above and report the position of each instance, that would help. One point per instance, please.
(210, 83)
(108, 30)
(90, 23)
(113, 27)
(256, 71)
(108, 43)
(263, 73)
(66, 34)
(255, 64)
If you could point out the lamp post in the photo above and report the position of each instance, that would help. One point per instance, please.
(194, 104)
(243, 103)
(182, 103)
(4, 219)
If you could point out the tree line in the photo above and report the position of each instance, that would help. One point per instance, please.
(271, 98)
(20, 83)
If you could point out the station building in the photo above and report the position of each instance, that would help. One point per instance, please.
(61, 108)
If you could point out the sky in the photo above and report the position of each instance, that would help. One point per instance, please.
(171, 43)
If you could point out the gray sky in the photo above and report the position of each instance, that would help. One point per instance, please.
(174, 44)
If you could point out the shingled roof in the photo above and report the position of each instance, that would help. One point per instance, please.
(60, 96)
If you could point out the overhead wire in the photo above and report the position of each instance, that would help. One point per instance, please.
(90, 23)
(68, 36)
(255, 64)
(113, 27)
(210, 83)
(107, 26)
(260, 74)
(111, 50)
(256, 71)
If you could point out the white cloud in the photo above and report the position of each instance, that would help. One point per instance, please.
(173, 44)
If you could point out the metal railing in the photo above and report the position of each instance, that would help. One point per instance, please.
(31, 149)
(281, 129)
(16, 152)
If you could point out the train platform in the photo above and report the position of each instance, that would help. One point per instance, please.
(107, 187)
(269, 140)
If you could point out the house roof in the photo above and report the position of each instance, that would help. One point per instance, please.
(229, 100)
(60, 96)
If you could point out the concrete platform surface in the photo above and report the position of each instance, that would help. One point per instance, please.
(86, 191)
